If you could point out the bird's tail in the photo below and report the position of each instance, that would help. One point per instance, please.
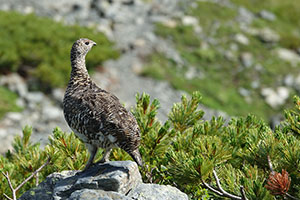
(137, 157)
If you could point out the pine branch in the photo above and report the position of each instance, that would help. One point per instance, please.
(14, 190)
(290, 196)
(7, 197)
(270, 164)
(221, 192)
(10, 186)
(243, 192)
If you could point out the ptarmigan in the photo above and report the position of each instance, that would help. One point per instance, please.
(95, 115)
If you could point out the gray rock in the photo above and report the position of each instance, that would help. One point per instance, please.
(268, 35)
(276, 120)
(297, 82)
(14, 116)
(5, 7)
(258, 67)
(20, 102)
(58, 94)
(267, 15)
(192, 73)
(128, 2)
(115, 176)
(35, 97)
(233, 47)
(275, 97)
(244, 92)
(45, 189)
(15, 83)
(255, 84)
(298, 50)
(88, 194)
(51, 113)
(241, 38)
(109, 181)
(28, 10)
(245, 16)
(189, 20)
(288, 80)
(71, 11)
(168, 7)
(246, 59)
(8, 138)
(288, 55)
(171, 23)
(105, 27)
(229, 55)
(154, 191)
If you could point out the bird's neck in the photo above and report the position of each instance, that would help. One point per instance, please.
(79, 70)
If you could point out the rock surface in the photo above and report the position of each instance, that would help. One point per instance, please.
(276, 97)
(288, 55)
(115, 180)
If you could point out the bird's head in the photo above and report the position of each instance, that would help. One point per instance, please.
(81, 47)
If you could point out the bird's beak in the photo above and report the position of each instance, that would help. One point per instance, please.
(94, 44)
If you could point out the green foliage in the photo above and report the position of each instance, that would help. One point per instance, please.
(20, 163)
(186, 113)
(156, 138)
(7, 101)
(182, 152)
(41, 47)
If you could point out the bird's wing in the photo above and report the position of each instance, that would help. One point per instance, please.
(107, 115)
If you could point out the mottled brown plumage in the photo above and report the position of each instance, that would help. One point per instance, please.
(95, 115)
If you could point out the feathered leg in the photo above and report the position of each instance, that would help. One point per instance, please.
(106, 155)
(137, 157)
(93, 150)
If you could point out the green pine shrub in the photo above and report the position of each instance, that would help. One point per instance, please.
(40, 47)
(185, 151)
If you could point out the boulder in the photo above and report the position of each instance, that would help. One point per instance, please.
(275, 98)
(245, 16)
(15, 83)
(241, 38)
(267, 35)
(288, 55)
(267, 15)
(246, 59)
(108, 181)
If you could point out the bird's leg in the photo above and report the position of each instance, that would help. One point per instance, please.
(93, 150)
(106, 154)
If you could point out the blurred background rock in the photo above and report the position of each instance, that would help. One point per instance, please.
(243, 56)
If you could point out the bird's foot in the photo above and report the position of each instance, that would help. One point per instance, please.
(87, 167)
(102, 161)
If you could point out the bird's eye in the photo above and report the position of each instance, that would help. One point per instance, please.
(87, 43)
